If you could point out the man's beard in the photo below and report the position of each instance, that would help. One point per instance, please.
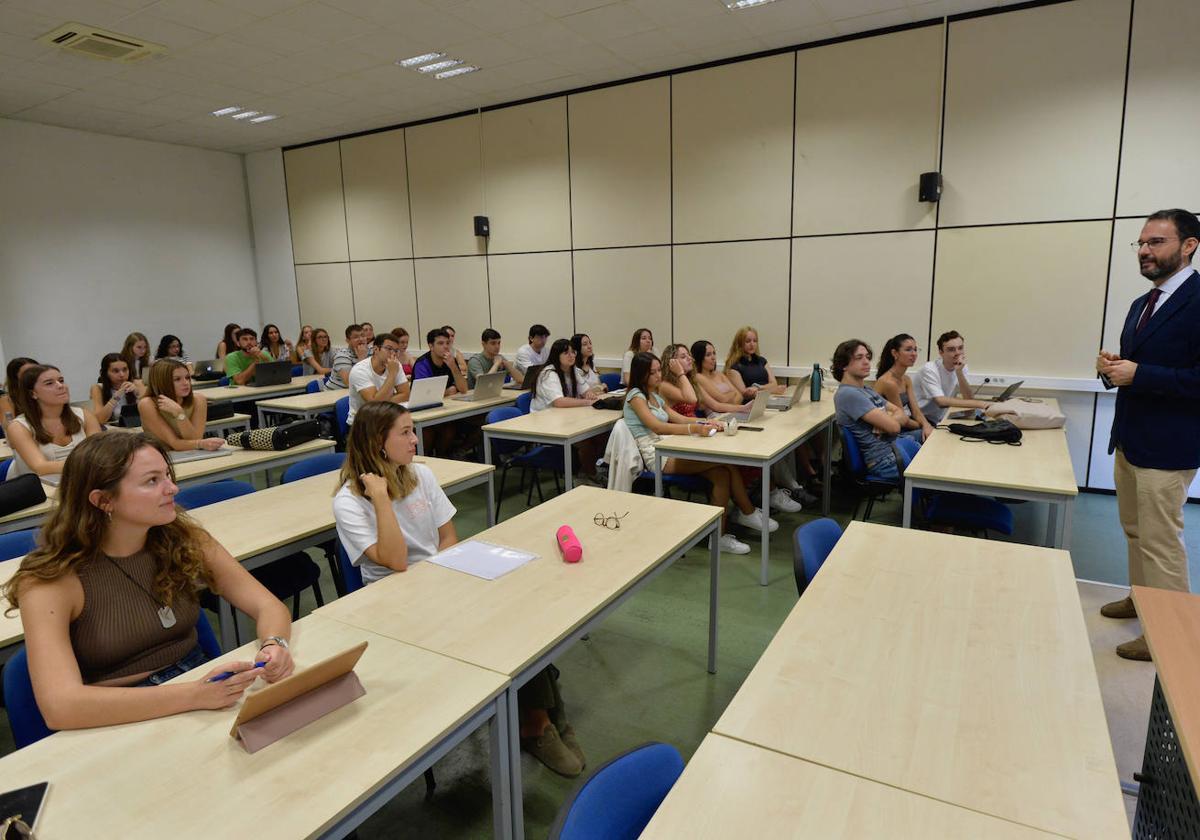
(1163, 268)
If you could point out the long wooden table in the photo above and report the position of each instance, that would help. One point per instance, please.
(782, 432)
(1168, 805)
(518, 624)
(954, 668)
(184, 777)
(563, 427)
(220, 428)
(253, 393)
(1039, 470)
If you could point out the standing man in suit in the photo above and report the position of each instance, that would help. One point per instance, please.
(1156, 426)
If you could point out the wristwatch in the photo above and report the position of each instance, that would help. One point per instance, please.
(275, 640)
(181, 416)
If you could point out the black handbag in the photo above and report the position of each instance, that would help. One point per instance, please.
(20, 493)
(992, 431)
(276, 438)
(609, 403)
(220, 411)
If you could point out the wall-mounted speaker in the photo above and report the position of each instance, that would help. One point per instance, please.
(481, 226)
(931, 186)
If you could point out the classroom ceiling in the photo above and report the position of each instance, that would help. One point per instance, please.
(327, 67)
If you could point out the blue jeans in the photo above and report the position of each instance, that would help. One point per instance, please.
(193, 660)
(887, 468)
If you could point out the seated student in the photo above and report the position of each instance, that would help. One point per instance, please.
(560, 384)
(648, 418)
(171, 413)
(536, 351)
(316, 353)
(390, 514)
(109, 599)
(892, 382)
(228, 342)
(302, 340)
(941, 383)
(459, 358)
(136, 353)
(720, 395)
(407, 360)
(368, 337)
(10, 399)
(44, 434)
(585, 363)
(873, 421)
(274, 343)
(114, 394)
(438, 361)
(378, 378)
(642, 342)
(747, 370)
(241, 364)
(490, 360)
(346, 357)
(172, 348)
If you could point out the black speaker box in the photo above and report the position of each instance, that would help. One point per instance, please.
(931, 186)
(481, 226)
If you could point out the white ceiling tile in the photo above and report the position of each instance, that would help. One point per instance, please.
(843, 9)
(386, 45)
(673, 12)
(272, 37)
(433, 27)
(563, 8)
(498, 16)
(95, 12)
(642, 46)
(382, 12)
(261, 8)
(607, 22)
(324, 23)
(15, 46)
(776, 17)
(203, 15)
(880, 20)
(224, 52)
(547, 37)
(709, 32)
(486, 52)
(795, 37)
(150, 27)
(26, 24)
(717, 52)
(593, 59)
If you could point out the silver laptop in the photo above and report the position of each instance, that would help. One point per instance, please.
(487, 387)
(1008, 392)
(783, 403)
(755, 410)
(426, 393)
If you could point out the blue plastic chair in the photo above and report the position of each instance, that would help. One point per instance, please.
(811, 544)
(315, 465)
(351, 574)
(223, 382)
(856, 469)
(611, 381)
(977, 514)
(689, 484)
(17, 543)
(297, 370)
(4, 465)
(313, 387)
(342, 409)
(524, 401)
(620, 797)
(24, 716)
(510, 454)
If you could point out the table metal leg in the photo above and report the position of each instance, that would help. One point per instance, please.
(420, 432)
(766, 531)
(827, 469)
(908, 494)
(514, 765)
(658, 473)
(567, 483)
(226, 618)
(1064, 529)
(714, 568)
(262, 420)
(1052, 525)
(491, 498)
(499, 744)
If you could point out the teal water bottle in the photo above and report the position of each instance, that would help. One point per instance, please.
(814, 384)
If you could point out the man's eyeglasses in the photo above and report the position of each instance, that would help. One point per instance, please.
(1153, 242)
(612, 523)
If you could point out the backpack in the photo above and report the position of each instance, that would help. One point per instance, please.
(992, 431)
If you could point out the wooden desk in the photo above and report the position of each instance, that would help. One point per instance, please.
(184, 777)
(245, 461)
(734, 789)
(950, 667)
(453, 410)
(1039, 470)
(782, 432)
(251, 393)
(1167, 800)
(301, 406)
(518, 624)
(563, 427)
(220, 428)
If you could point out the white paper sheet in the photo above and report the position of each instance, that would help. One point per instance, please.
(481, 559)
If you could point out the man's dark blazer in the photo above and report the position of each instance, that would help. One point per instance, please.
(1157, 419)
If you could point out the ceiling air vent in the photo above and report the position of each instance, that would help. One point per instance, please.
(81, 39)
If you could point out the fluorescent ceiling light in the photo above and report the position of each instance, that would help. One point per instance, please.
(245, 115)
(221, 112)
(457, 71)
(419, 59)
(734, 5)
(439, 65)
(265, 118)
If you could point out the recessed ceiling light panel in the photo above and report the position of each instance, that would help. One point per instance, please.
(245, 115)
(439, 65)
(265, 118)
(224, 112)
(419, 59)
(734, 5)
(457, 71)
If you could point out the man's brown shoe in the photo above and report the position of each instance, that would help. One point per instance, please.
(1137, 649)
(549, 749)
(1120, 609)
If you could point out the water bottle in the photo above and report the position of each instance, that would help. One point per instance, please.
(814, 384)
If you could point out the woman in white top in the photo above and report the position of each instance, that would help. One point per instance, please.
(585, 363)
(170, 411)
(642, 342)
(50, 428)
(274, 343)
(560, 384)
(114, 393)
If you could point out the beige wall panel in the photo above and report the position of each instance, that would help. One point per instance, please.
(376, 180)
(1028, 297)
(315, 206)
(528, 289)
(719, 288)
(385, 294)
(446, 186)
(1033, 113)
(526, 183)
(619, 290)
(732, 147)
(1164, 99)
(621, 165)
(867, 119)
(325, 298)
(883, 291)
(1125, 282)
(451, 291)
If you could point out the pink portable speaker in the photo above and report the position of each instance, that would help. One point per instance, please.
(568, 544)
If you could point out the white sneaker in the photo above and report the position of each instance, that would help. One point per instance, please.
(782, 500)
(755, 521)
(732, 545)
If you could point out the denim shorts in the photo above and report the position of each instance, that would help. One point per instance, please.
(193, 660)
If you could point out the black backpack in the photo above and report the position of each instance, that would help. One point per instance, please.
(992, 431)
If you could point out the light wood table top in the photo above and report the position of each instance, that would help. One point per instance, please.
(780, 429)
(556, 423)
(734, 789)
(320, 401)
(1171, 622)
(507, 623)
(948, 666)
(1041, 464)
(251, 393)
(231, 420)
(246, 460)
(5, 449)
(185, 777)
(452, 407)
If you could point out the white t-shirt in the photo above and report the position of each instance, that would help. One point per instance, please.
(527, 357)
(362, 375)
(590, 379)
(50, 451)
(933, 380)
(420, 514)
(549, 389)
(627, 362)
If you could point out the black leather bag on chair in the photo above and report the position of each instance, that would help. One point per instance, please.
(20, 493)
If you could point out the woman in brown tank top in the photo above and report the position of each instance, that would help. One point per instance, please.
(110, 595)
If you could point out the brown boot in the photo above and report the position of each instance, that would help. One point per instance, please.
(1137, 649)
(549, 749)
(1120, 609)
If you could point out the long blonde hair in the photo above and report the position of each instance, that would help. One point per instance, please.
(365, 454)
(162, 382)
(735, 349)
(135, 370)
(668, 375)
(75, 529)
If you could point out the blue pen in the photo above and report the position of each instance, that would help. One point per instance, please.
(224, 675)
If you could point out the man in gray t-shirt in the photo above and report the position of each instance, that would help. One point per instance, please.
(851, 403)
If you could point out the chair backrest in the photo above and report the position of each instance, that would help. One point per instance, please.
(524, 401)
(24, 716)
(620, 797)
(351, 575)
(223, 382)
(811, 544)
(612, 381)
(313, 387)
(17, 543)
(297, 370)
(500, 446)
(200, 495)
(852, 455)
(4, 465)
(342, 409)
(315, 465)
